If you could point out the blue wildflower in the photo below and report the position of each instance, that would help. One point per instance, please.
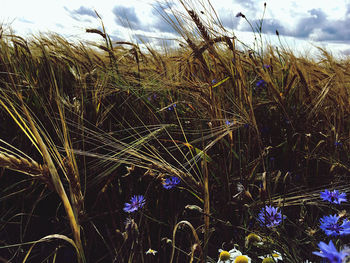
(261, 84)
(214, 81)
(172, 107)
(136, 202)
(228, 123)
(287, 121)
(330, 225)
(269, 216)
(338, 144)
(330, 252)
(265, 130)
(240, 15)
(334, 197)
(153, 96)
(171, 182)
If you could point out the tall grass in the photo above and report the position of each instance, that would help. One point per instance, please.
(242, 126)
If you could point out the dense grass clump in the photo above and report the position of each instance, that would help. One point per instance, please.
(213, 150)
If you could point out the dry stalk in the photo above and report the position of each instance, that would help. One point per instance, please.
(26, 166)
(199, 25)
(304, 84)
(197, 54)
(194, 233)
(110, 52)
(75, 188)
(96, 31)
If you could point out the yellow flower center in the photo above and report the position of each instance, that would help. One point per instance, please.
(224, 255)
(241, 259)
(268, 260)
(151, 251)
(251, 238)
(275, 255)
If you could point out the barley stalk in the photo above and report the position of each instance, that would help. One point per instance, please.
(199, 25)
(26, 166)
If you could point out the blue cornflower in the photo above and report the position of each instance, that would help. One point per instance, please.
(334, 196)
(330, 252)
(136, 202)
(171, 182)
(265, 130)
(270, 216)
(172, 107)
(240, 15)
(153, 96)
(214, 81)
(261, 84)
(338, 144)
(329, 224)
(228, 123)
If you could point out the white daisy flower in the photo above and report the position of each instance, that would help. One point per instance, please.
(228, 256)
(253, 239)
(151, 251)
(242, 259)
(276, 256)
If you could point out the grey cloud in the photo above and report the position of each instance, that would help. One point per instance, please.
(320, 28)
(163, 18)
(248, 4)
(164, 24)
(140, 39)
(126, 16)
(347, 11)
(269, 26)
(337, 31)
(82, 10)
(228, 20)
(115, 36)
(304, 28)
(81, 13)
(307, 25)
(345, 52)
(166, 43)
(316, 26)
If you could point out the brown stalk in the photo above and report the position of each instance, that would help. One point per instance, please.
(96, 31)
(184, 222)
(199, 25)
(26, 166)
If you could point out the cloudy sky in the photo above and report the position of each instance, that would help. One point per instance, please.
(301, 24)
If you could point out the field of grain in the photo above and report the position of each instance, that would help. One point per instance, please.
(114, 153)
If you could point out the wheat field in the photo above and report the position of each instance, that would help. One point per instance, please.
(110, 152)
